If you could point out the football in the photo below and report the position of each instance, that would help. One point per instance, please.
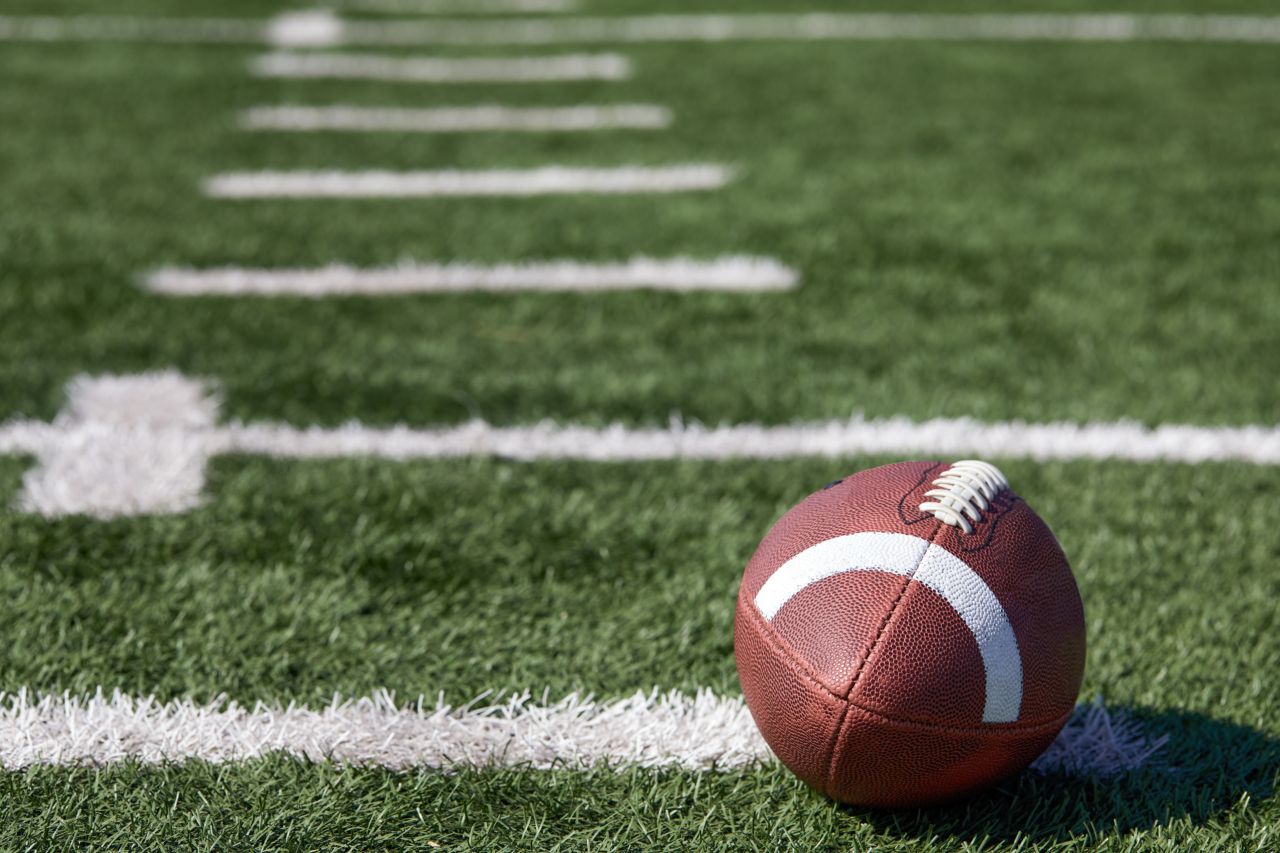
(909, 634)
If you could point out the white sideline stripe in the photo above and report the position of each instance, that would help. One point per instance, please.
(129, 445)
(322, 29)
(703, 732)
(471, 7)
(547, 180)
(678, 274)
(936, 568)
(513, 69)
(457, 119)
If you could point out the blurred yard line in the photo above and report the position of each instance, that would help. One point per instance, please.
(321, 28)
(733, 273)
(510, 69)
(485, 117)
(470, 7)
(547, 180)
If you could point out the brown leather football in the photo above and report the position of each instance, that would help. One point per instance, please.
(909, 634)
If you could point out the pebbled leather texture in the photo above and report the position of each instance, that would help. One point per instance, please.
(871, 685)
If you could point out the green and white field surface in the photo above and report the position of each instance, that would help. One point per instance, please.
(415, 520)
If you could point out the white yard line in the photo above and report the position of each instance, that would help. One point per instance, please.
(547, 180)
(485, 117)
(132, 445)
(119, 28)
(310, 28)
(516, 69)
(733, 273)
(323, 29)
(941, 437)
(694, 732)
(819, 26)
(470, 7)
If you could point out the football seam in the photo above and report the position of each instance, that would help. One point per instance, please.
(801, 668)
(902, 501)
(893, 608)
(996, 517)
(776, 640)
(1007, 496)
(987, 729)
(866, 659)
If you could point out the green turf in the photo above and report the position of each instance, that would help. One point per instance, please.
(1048, 231)
(474, 575)
(265, 8)
(283, 804)
(1044, 231)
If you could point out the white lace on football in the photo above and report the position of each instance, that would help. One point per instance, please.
(963, 492)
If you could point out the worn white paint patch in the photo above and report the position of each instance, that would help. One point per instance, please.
(125, 445)
(488, 117)
(547, 180)
(1099, 742)
(470, 7)
(314, 30)
(511, 69)
(734, 273)
(702, 731)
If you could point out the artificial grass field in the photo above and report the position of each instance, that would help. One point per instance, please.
(954, 210)
(298, 581)
(1040, 231)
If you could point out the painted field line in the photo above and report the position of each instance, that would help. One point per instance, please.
(117, 28)
(308, 28)
(735, 273)
(941, 437)
(702, 732)
(516, 69)
(136, 445)
(305, 28)
(817, 27)
(486, 117)
(323, 29)
(547, 180)
(470, 7)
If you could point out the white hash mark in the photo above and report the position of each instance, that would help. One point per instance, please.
(126, 445)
